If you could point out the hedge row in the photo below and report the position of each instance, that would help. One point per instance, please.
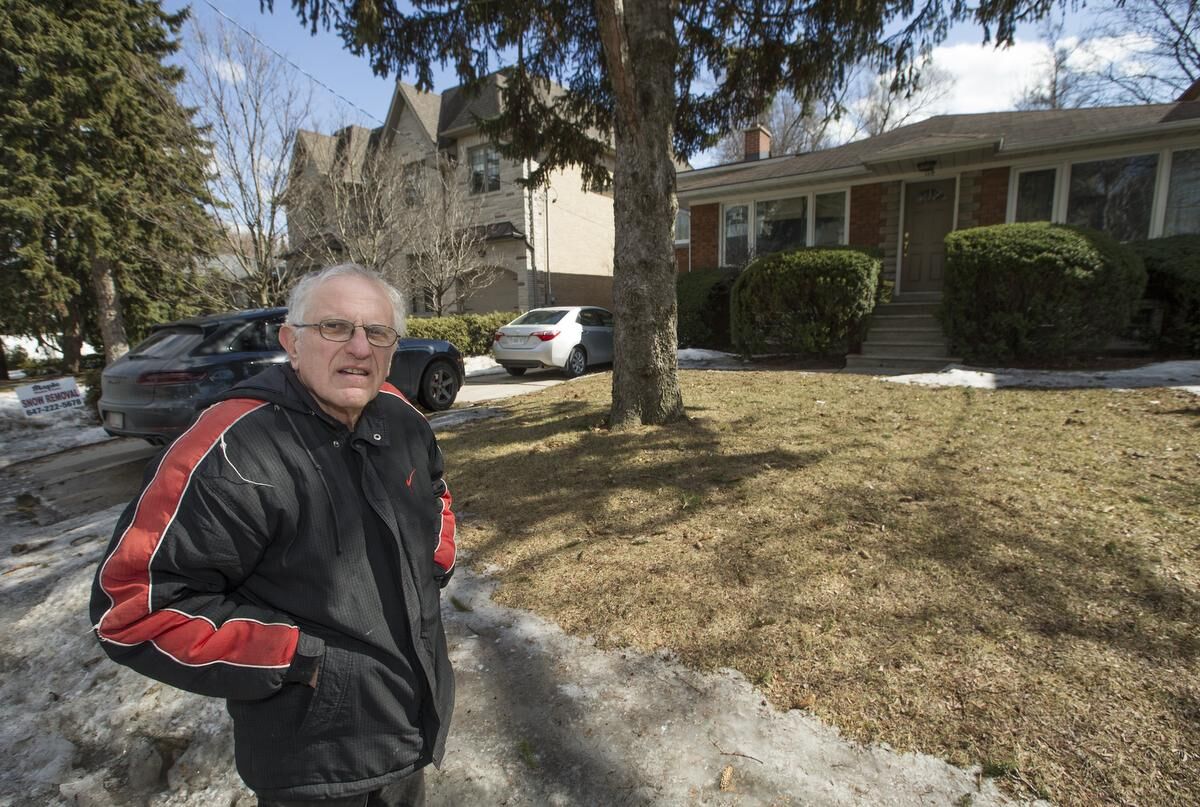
(703, 298)
(1036, 291)
(810, 301)
(1173, 272)
(470, 333)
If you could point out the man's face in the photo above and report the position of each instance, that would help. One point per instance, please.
(343, 376)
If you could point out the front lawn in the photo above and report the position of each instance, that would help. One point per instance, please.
(1003, 578)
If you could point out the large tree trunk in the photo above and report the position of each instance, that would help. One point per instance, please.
(72, 338)
(639, 40)
(3, 362)
(108, 310)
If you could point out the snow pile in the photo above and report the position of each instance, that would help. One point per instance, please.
(1183, 375)
(23, 437)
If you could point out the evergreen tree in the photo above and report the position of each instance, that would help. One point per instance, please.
(101, 171)
(657, 79)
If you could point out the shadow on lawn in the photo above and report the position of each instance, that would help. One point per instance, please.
(580, 476)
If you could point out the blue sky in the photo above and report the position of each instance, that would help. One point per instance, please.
(986, 79)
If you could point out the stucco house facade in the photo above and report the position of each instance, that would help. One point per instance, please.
(1131, 171)
(551, 245)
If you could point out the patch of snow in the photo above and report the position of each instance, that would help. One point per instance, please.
(541, 717)
(457, 417)
(23, 437)
(1183, 375)
(37, 351)
(481, 365)
(692, 358)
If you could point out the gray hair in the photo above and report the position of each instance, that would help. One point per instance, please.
(301, 294)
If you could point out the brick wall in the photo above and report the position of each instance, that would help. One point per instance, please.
(993, 196)
(682, 255)
(705, 236)
(968, 199)
(866, 215)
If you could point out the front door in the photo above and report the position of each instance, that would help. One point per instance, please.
(928, 218)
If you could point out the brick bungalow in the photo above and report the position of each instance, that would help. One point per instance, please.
(1131, 171)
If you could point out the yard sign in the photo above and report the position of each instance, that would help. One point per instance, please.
(49, 396)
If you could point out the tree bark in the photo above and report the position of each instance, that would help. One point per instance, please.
(108, 310)
(72, 339)
(639, 40)
(3, 362)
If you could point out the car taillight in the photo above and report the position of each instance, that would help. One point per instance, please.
(497, 336)
(172, 377)
(546, 336)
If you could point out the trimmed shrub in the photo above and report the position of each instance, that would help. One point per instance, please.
(1173, 272)
(470, 333)
(703, 298)
(810, 301)
(1036, 291)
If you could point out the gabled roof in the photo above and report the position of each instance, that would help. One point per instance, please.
(954, 139)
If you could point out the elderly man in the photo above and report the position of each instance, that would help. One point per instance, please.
(287, 554)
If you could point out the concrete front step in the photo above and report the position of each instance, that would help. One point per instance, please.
(928, 308)
(896, 364)
(899, 332)
(913, 350)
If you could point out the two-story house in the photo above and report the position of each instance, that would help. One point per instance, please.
(551, 245)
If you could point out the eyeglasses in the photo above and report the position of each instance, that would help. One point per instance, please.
(340, 330)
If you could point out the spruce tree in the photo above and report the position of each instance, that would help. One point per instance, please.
(101, 171)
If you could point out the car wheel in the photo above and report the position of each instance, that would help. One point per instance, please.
(516, 370)
(439, 386)
(576, 362)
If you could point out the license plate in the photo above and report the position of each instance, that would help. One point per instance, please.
(516, 340)
(115, 420)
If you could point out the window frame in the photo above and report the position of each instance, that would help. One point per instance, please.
(1064, 164)
(682, 213)
(490, 155)
(751, 203)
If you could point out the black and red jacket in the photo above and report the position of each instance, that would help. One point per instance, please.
(270, 541)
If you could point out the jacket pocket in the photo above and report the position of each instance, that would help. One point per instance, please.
(337, 669)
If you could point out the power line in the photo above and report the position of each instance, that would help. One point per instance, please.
(294, 66)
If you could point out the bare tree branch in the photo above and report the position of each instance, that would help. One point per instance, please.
(253, 109)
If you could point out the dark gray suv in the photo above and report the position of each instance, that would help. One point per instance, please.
(155, 390)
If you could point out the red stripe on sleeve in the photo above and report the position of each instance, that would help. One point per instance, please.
(125, 577)
(446, 550)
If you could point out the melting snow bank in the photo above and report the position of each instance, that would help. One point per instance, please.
(23, 437)
(542, 718)
(1183, 375)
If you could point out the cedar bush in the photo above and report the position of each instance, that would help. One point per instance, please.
(1173, 276)
(703, 298)
(1036, 291)
(470, 333)
(811, 301)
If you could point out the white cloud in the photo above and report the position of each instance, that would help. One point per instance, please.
(987, 79)
(231, 72)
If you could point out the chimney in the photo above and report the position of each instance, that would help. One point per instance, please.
(758, 142)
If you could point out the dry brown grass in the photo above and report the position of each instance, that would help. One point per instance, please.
(1002, 578)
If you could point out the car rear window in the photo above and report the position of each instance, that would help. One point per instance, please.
(166, 343)
(538, 317)
(255, 336)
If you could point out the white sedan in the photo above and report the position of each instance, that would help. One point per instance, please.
(567, 337)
